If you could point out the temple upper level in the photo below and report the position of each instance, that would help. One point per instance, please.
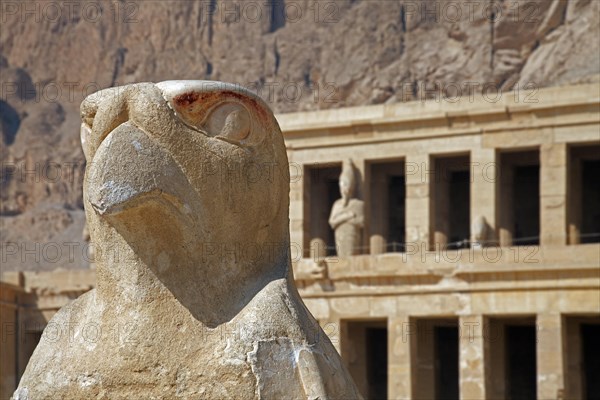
(452, 182)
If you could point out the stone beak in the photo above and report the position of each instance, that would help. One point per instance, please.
(129, 169)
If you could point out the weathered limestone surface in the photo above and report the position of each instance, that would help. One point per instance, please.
(550, 360)
(472, 360)
(187, 183)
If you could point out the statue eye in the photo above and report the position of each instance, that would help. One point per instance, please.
(229, 121)
(237, 125)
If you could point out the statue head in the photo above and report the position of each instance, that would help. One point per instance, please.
(190, 178)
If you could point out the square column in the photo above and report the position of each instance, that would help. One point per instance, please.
(297, 210)
(550, 374)
(418, 175)
(399, 377)
(362, 193)
(484, 183)
(377, 215)
(472, 357)
(553, 194)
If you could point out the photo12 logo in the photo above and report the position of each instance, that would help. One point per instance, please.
(68, 11)
(471, 11)
(467, 91)
(278, 12)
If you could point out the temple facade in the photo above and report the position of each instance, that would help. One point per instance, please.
(476, 274)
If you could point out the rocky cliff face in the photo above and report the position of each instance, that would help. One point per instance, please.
(297, 54)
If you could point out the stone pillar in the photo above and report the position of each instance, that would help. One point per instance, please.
(438, 193)
(378, 211)
(399, 378)
(472, 357)
(299, 207)
(297, 231)
(418, 175)
(361, 192)
(550, 376)
(484, 177)
(553, 194)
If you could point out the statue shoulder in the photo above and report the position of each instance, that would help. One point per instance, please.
(356, 203)
(337, 205)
